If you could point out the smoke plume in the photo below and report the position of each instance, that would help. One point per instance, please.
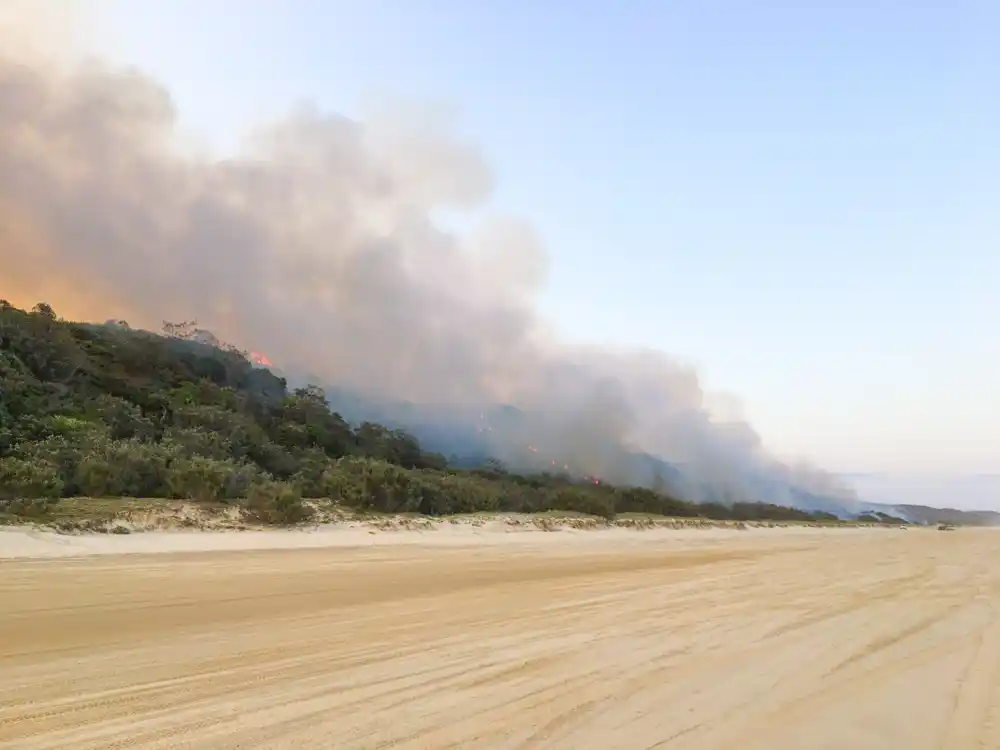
(316, 244)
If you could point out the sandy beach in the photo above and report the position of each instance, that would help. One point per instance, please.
(471, 638)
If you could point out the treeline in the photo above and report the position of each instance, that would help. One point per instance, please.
(106, 411)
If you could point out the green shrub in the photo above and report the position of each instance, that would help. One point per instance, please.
(278, 503)
(199, 478)
(129, 468)
(36, 508)
(241, 479)
(26, 480)
(198, 441)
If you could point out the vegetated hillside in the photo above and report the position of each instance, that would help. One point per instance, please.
(469, 434)
(922, 514)
(103, 410)
(877, 516)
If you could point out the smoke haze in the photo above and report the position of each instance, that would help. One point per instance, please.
(316, 244)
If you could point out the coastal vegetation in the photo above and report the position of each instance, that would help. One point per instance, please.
(106, 411)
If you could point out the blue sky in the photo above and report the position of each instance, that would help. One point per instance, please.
(800, 198)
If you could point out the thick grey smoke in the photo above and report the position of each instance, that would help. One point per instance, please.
(316, 245)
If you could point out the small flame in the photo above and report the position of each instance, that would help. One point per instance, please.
(261, 359)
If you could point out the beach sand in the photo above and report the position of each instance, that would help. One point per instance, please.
(474, 637)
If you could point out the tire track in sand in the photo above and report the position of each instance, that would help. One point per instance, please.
(776, 641)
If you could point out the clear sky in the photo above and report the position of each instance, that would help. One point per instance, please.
(801, 198)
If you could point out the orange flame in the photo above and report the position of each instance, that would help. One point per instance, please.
(261, 359)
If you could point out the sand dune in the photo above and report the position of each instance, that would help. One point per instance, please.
(848, 639)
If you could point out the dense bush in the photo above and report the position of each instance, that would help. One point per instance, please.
(277, 502)
(20, 479)
(104, 410)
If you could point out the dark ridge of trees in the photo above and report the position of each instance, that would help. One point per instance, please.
(109, 411)
(921, 514)
(876, 516)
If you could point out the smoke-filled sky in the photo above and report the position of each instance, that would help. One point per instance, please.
(799, 201)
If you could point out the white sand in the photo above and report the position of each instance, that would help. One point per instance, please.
(469, 637)
(24, 542)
